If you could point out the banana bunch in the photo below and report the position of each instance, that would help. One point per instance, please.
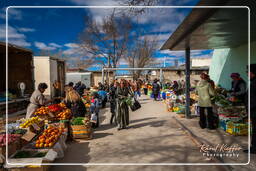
(29, 122)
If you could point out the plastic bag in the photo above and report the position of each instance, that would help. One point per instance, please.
(94, 118)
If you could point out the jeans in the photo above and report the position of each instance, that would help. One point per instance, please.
(206, 120)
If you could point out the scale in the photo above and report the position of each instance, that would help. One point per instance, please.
(22, 87)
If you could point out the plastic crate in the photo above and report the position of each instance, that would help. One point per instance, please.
(237, 128)
(223, 124)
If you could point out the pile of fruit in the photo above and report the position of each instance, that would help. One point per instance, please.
(42, 111)
(62, 105)
(55, 108)
(30, 121)
(49, 137)
(65, 114)
(10, 138)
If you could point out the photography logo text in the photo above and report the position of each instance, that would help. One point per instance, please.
(220, 150)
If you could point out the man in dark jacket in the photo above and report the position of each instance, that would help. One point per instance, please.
(112, 100)
(156, 89)
(253, 107)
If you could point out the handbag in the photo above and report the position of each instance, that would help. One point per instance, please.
(135, 106)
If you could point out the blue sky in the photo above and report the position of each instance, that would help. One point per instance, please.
(57, 29)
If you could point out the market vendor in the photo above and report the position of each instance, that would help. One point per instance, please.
(37, 100)
(238, 85)
(252, 106)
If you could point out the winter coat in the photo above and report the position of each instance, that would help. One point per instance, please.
(156, 88)
(77, 108)
(204, 91)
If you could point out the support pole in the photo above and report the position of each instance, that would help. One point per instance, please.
(161, 76)
(102, 75)
(187, 89)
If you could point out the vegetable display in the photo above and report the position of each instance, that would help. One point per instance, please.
(65, 114)
(42, 111)
(30, 121)
(55, 108)
(80, 121)
(49, 137)
(10, 138)
(29, 154)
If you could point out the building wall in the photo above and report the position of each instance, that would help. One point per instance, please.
(97, 77)
(42, 73)
(200, 62)
(227, 61)
(169, 76)
(53, 74)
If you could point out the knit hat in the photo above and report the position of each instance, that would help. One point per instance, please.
(235, 75)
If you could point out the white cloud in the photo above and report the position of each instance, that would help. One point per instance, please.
(20, 42)
(12, 14)
(43, 46)
(23, 29)
(54, 45)
(14, 36)
(71, 45)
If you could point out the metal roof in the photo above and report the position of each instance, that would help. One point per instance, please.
(213, 28)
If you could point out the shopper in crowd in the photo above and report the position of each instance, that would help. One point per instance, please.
(78, 84)
(95, 108)
(238, 85)
(56, 86)
(156, 89)
(71, 84)
(101, 86)
(205, 92)
(123, 92)
(175, 87)
(37, 100)
(74, 102)
(112, 100)
(136, 89)
(210, 81)
(103, 96)
(252, 109)
(106, 86)
(145, 88)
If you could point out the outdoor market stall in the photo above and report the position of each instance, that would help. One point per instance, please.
(42, 138)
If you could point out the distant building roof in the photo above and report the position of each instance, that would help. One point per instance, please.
(75, 70)
(14, 47)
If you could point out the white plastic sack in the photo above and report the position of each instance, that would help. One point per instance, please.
(94, 118)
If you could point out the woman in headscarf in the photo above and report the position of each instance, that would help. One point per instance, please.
(123, 92)
(205, 90)
(37, 100)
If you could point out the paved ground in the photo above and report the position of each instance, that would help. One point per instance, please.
(154, 136)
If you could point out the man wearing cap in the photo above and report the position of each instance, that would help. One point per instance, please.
(238, 89)
(252, 76)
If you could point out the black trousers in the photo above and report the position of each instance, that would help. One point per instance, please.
(253, 144)
(145, 91)
(206, 120)
(156, 96)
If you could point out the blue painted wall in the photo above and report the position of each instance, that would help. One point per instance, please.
(229, 60)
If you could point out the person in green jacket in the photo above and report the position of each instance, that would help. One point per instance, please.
(205, 91)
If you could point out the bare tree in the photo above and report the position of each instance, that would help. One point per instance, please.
(137, 11)
(142, 54)
(105, 43)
